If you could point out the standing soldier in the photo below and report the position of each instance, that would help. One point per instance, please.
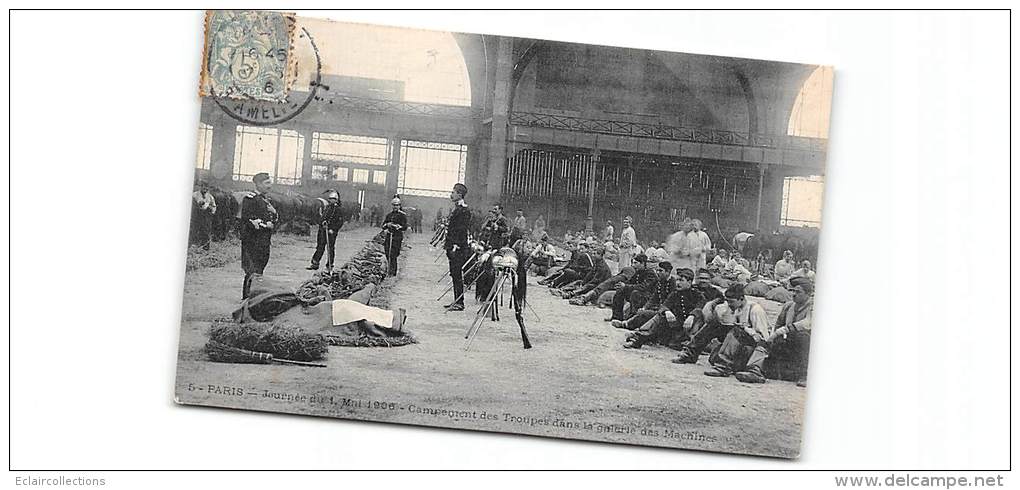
(331, 219)
(258, 218)
(456, 244)
(395, 224)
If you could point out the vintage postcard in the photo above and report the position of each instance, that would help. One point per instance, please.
(514, 235)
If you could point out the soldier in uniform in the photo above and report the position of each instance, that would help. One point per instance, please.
(456, 244)
(331, 219)
(258, 218)
(395, 224)
(496, 230)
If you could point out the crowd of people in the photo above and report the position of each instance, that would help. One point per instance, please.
(686, 295)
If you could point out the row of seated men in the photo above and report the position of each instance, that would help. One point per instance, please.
(683, 310)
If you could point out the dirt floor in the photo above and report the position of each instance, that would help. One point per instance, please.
(578, 381)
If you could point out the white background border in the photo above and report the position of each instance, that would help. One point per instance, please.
(910, 358)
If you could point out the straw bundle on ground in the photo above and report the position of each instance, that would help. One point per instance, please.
(369, 341)
(368, 266)
(280, 341)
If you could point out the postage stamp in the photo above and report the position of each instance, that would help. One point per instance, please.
(248, 55)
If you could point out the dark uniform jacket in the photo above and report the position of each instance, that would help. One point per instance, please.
(599, 273)
(658, 292)
(581, 262)
(643, 277)
(257, 206)
(708, 291)
(399, 218)
(683, 302)
(457, 227)
(331, 216)
(496, 231)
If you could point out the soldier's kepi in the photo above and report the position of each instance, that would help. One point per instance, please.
(395, 224)
(258, 219)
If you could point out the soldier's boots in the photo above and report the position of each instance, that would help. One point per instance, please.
(686, 357)
(750, 376)
(634, 342)
(717, 372)
(454, 307)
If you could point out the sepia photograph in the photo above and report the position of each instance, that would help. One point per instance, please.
(512, 235)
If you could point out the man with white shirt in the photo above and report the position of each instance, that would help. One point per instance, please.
(785, 267)
(700, 245)
(749, 327)
(784, 353)
(805, 271)
(628, 241)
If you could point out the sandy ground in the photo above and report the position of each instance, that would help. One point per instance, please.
(578, 381)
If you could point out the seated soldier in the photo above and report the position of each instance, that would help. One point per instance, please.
(655, 294)
(543, 257)
(633, 291)
(705, 325)
(574, 251)
(784, 353)
(581, 263)
(593, 278)
(586, 297)
(604, 296)
(748, 326)
(676, 310)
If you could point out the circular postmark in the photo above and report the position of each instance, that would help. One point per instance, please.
(265, 113)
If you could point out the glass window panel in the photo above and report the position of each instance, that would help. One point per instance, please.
(430, 168)
(366, 150)
(204, 155)
(802, 201)
(360, 176)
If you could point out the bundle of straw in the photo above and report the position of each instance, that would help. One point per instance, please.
(280, 341)
(369, 341)
(224, 353)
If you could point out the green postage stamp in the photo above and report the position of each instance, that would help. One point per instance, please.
(248, 55)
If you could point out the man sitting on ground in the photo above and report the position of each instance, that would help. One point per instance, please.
(784, 353)
(634, 290)
(706, 325)
(544, 256)
(676, 310)
(581, 263)
(582, 298)
(600, 272)
(749, 326)
(655, 294)
(805, 271)
(785, 267)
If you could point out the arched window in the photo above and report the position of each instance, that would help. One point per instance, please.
(810, 115)
(428, 65)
